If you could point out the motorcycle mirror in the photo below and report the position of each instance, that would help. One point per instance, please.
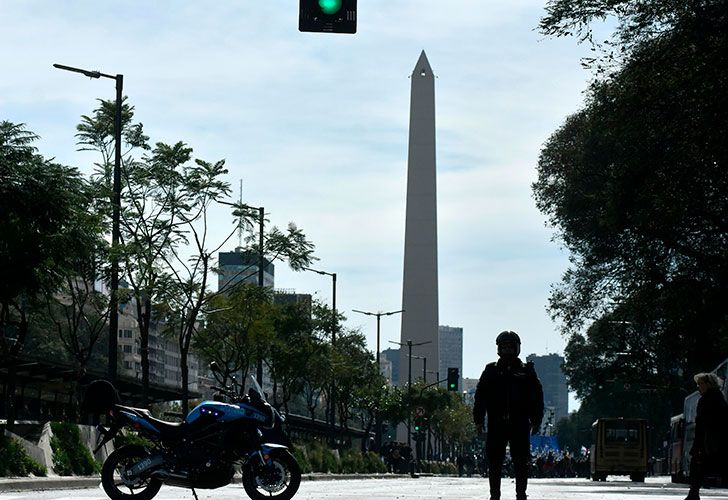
(214, 367)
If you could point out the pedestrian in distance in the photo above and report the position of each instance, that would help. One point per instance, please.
(708, 453)
(510, 394)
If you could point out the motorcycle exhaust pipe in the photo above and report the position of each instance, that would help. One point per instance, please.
(146, 464)
(165, 475)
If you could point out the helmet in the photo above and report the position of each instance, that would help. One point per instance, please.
(508, 336)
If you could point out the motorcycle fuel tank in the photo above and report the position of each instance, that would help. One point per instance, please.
(226, 412)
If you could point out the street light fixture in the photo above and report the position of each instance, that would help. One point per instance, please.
(424, 367)
(115, 215)
(334, 325)
(379, 317)
(409, 345)
(261, 264)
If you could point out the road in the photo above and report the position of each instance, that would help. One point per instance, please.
(430, 488)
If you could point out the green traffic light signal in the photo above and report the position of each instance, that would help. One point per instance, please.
(417, 427)
(330, 6)
(327, 16)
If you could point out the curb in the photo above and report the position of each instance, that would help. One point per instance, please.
(48, 483)
(68, 483)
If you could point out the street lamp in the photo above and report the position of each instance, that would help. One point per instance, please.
(409, 345)
(334, 325)
(261, 264)
(115, 215)
(379, 368)
(424, 367)
(379, 317)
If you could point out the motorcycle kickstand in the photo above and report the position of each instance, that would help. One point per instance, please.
(194, 494)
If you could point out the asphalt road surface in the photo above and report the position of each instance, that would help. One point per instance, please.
(430, 488)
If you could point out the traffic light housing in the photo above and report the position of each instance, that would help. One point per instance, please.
(327, 16)
(419, 424)
(453, 378)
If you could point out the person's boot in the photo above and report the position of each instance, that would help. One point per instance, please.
(494, 479)
(694, 494)
(521, 470)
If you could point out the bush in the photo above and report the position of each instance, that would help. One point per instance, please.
(329, 462)
(373, 464)
(125, 437)
(448, 468)
(14, 461)
(70, 455)
(322, 459)
(352, 462)
(315, 457)
(299, 453)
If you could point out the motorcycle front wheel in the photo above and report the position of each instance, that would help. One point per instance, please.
(279, 480)
(115, 482)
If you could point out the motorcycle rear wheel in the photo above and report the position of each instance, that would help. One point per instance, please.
(279, 481)
(115, 465)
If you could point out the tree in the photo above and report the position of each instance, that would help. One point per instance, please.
(356, 375)
(315, 374)
(44, 231)
(153, 201)
(186, 296)
(166, 196)
(289, 352)
(635, 184)
(232, 325)
(638, 22)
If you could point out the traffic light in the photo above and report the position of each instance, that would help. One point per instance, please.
(327, 16)
(453, 377)
(420, 423)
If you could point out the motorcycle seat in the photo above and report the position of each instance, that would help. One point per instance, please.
(168, 430)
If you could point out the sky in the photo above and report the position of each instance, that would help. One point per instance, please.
(316, 127)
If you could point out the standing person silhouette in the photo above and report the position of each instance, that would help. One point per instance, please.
(511, 395)
(708, 453)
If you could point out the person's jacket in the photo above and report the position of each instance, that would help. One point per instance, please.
(509, 392)
(711, 425)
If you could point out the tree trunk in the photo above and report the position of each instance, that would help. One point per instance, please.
(10, 410)
(144, 316)
(365, 441)
(185, 381)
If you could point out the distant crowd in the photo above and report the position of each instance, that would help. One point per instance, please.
(398, 456)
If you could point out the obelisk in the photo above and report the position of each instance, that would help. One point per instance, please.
(419, 287)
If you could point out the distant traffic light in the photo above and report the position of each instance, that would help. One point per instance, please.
(418, 424)
(327, 16)
(453, 378)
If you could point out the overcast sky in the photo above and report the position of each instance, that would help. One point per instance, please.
(316, 126)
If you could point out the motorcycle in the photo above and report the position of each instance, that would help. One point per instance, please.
(200, 452)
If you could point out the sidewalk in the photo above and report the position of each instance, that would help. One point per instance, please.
(73, 482)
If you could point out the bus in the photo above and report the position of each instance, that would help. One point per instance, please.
(619, 448)
(675, 449)
(682, 434)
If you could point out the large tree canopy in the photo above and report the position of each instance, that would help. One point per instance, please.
(47, 235)
(635, 21)
(636, 185)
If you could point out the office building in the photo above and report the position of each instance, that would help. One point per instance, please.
(242, 266)
(451, 351)
(392, 355)
(555, 389)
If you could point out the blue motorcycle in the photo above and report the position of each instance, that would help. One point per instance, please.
(200, 452)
